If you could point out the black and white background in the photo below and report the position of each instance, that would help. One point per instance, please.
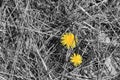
(30, 32)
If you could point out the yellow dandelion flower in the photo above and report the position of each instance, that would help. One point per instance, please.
(69, 40)
(76, 59)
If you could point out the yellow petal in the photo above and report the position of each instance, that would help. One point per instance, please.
(69, 40)
(76, 59)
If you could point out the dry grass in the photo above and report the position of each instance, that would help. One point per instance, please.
(30, 32)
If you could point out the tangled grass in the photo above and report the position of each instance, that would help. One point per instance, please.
(30, 32)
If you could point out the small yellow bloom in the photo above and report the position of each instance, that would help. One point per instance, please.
(76, 59)
(69, 40)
